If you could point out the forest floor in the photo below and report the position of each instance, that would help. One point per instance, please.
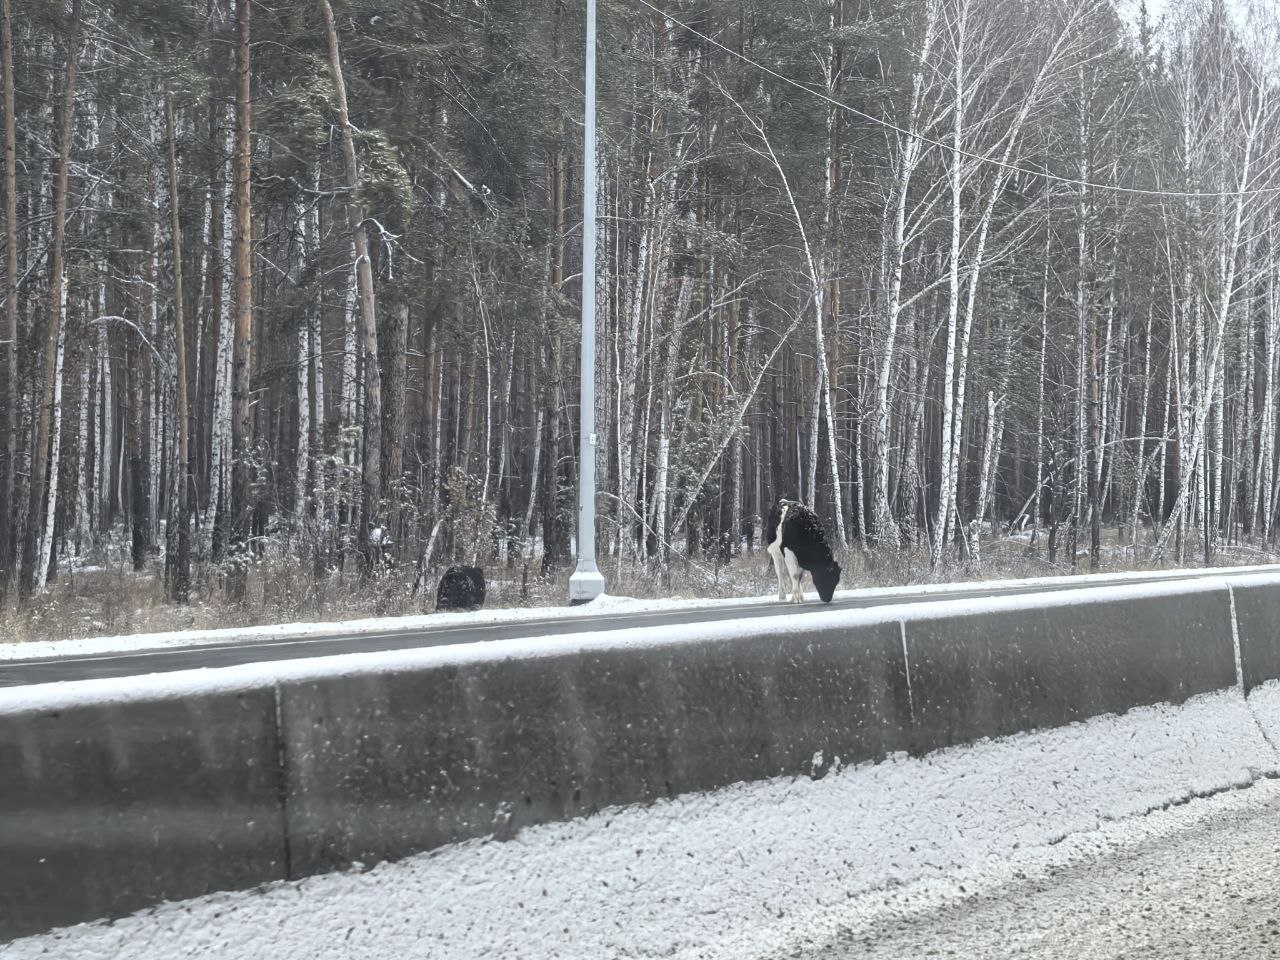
(98, 599)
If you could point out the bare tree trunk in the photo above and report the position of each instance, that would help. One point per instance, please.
(180, 583)
(55, 456)
(9, 330)
(912, 482)
(668, 401)
(302, 378)
(371, 499)
(138, 486)
(958, 334)
(526, 531)
(1215, 348)
(1040, 388)
(105, 436)
(986, 474)
(83, 527)
(950, 421)
(316, 360)
(506, 416)
(1166, 429)
(1144, 463)
(628, 378)
(884, 526)
(239, 508)
(1262, 491)
(817, 284)
(40, 466)
(214, 534)
(395, 408)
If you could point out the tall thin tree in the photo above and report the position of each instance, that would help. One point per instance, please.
(241, 418)
(55, 307)
(371, 474)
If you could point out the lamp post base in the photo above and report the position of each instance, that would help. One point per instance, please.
(586, 584)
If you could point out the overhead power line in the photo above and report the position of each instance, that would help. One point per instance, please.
(942, 145)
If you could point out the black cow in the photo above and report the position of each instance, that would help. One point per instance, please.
(795, 538)
(461, 588)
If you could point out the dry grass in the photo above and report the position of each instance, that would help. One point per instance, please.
(103, 601)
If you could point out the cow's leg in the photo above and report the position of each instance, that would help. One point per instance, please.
(775, 553)
(776, 556)
(797, 576)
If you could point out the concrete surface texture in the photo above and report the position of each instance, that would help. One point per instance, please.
(105, 809)
(379, 767)
(1013, 670)
(1205, 891)
(1257, 613)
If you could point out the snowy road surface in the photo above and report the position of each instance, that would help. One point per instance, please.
(1207, 890)
(99, 658)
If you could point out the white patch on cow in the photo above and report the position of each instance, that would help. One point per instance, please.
(775, 552)
(797, 575)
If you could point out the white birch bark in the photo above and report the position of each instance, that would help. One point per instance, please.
(949, 460)
(1262, 491)
(1253, 124)
(526, 532)
(986, 470)
(957, 355)
(1037, 492)
(55, 453)
(302, 455)
(223, 312)
(106, 426)
(662, 469)
(1144, 464)
(909, 156)
(816, 284)
(82, 507)
(628, 369)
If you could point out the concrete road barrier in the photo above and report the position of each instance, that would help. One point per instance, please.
(108, 807)
(990, 674)
(1257, 607)
(386, 765)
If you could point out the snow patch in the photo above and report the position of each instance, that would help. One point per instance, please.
(1264, 702)
(744, 872)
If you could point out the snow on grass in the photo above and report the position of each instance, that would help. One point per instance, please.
(745, 872)
(605, 604)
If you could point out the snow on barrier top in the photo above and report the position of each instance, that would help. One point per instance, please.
(122, 793)
(606, 605)
(186, 683)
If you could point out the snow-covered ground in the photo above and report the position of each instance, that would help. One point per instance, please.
(601, 605)
(745, 872)
(1194, 882)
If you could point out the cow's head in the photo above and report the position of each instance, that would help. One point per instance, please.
(825, 579)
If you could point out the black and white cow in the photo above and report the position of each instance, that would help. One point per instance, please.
(795, 539)
(461, 588)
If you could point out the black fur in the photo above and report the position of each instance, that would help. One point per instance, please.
(461, 588)
(803, 535)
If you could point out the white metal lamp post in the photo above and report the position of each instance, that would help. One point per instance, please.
(587, 583)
